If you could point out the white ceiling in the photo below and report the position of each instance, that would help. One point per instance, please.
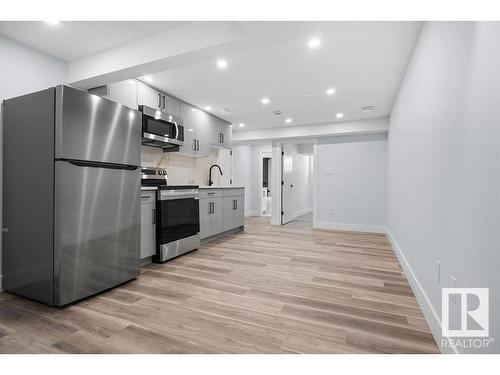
(363, 61)
(73, 39)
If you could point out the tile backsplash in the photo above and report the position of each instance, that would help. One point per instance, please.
(189, 170)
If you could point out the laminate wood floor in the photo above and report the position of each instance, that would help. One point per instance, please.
(269, 289)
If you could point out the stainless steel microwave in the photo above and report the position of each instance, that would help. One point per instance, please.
(161, 129)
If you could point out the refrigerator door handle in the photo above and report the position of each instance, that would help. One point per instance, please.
(99, 164)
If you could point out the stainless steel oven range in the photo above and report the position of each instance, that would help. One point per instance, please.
(177, 215)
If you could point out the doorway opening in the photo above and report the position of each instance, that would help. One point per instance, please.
(297, 183)
(265, 193)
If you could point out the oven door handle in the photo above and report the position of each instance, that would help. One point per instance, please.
(186, 196)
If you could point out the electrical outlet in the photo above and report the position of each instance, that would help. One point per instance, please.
(438, 263)
(453, 285)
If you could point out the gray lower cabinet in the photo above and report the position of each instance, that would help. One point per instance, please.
(148, 224)
(221, 210)
(234, 208)
(211, 216)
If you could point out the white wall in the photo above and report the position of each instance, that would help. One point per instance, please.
(351, 175)
(24, 70)
(444, 165)
(247, 167)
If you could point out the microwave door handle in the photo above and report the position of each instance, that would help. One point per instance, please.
(176, 131)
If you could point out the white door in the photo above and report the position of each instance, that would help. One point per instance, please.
(287, 189)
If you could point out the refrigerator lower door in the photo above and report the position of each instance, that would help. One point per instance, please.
(97, 229)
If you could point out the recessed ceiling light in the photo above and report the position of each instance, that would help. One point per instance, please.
(194, 110)
(314, 43)
(241, 125)
(230, 126)
(339, 115)
(265, 100)
(190, 129)
(53, 22)
(367, 108)
(131, 81)
(148, 79)
(330, 91)
(288, 120)
(208, 108)
(222, 64)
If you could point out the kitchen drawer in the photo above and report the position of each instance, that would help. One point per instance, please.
(148, 197)
(233, 192)
(210, 193)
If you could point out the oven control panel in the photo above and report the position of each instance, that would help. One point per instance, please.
(154, 174)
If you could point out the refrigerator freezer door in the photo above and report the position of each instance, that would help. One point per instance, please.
(97, 229)
(89, 127)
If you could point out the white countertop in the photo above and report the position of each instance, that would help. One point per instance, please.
(145, 188)
(221, 187)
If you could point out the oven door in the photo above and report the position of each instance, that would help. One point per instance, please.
(178, 215)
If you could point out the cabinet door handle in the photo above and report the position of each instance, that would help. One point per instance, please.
(194, 144)
(236, 204)
(164, 101)
(222, 134)
(159, 100)
(197, 145)
(154, 216)
(213, 207)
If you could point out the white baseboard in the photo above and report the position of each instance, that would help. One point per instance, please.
(300, 213)
(349, 227)
(426, 306)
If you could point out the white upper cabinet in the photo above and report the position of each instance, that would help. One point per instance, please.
(149, 97)
(191, 142)
(201, 129)
(173, 106)
(219, 133)
(124, 92)
(155, 99)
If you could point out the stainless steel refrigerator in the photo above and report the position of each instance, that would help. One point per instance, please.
(71, 195)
